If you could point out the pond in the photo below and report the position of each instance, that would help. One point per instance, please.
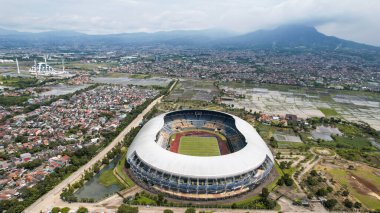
(324, 133)
(93, 189)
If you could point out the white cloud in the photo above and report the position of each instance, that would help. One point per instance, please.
(350, 19)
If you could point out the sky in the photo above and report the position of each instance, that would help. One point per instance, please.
(356, 20)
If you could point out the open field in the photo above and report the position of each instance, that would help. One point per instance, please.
(199, 146)
(154, 81)
(174, 105)
(194, 90)
(363, 183)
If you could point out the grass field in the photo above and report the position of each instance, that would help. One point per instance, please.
(343, 177)
(199, 146)
(119, 170)
(108, 179)
(328, 112)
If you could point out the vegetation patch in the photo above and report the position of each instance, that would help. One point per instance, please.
(365, 193)
(13, 100)
(329, 112)
(107, 178)
(140, 76)
(119, 170)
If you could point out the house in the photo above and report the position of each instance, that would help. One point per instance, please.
(25, 157)
(291, 117)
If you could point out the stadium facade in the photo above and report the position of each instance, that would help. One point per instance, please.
(197, 177)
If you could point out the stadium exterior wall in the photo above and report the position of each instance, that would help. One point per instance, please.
(183, 174)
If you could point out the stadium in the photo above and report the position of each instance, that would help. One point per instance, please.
(199, 154)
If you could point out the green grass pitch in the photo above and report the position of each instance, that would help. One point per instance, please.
(199, 146)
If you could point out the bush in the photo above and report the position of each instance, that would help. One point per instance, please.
(127, 209)
(82, 210)
(190, 210)
(55, 210)
(264, 192)
(168, 211)
(65, 210)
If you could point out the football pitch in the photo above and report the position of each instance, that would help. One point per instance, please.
(199, 146)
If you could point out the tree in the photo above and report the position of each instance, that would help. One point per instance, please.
(168, 211)
(345, 193)
(329, 189)
(321, 192)
(288, 180)
(273, 142)
(160, 199)
(264, 192)
(278, 155)
(190, 210)
(280, 181)
(311, 181)
(357, 205)
(313, 173)
(347, 203)
(330, 203)
(55, 210)
(234, 206)
(82, 210)
(127, 209)
(283, 165)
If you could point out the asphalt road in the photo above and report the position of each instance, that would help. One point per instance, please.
(47, 201)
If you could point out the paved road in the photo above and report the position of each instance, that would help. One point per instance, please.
(51, 198)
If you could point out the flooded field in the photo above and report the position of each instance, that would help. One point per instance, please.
(353, 107)
(154, 81)
(325, 133)
(62, 89)
(194, 90)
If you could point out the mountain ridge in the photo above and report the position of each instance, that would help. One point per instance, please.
(286, 36)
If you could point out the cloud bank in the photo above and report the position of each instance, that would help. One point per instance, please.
(349, 19)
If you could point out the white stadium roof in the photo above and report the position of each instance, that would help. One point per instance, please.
(247, 159)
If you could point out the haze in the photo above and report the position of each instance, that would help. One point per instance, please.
(348, 19)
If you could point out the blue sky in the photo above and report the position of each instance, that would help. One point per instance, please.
(349, 19)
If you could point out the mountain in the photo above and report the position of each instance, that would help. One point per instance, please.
(292, 36)
(283, 37)
(4, 32)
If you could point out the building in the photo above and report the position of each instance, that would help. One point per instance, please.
(155, 159)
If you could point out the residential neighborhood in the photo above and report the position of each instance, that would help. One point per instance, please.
(33, 142)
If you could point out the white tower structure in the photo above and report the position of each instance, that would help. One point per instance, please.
(18, 68)
(63, 64)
